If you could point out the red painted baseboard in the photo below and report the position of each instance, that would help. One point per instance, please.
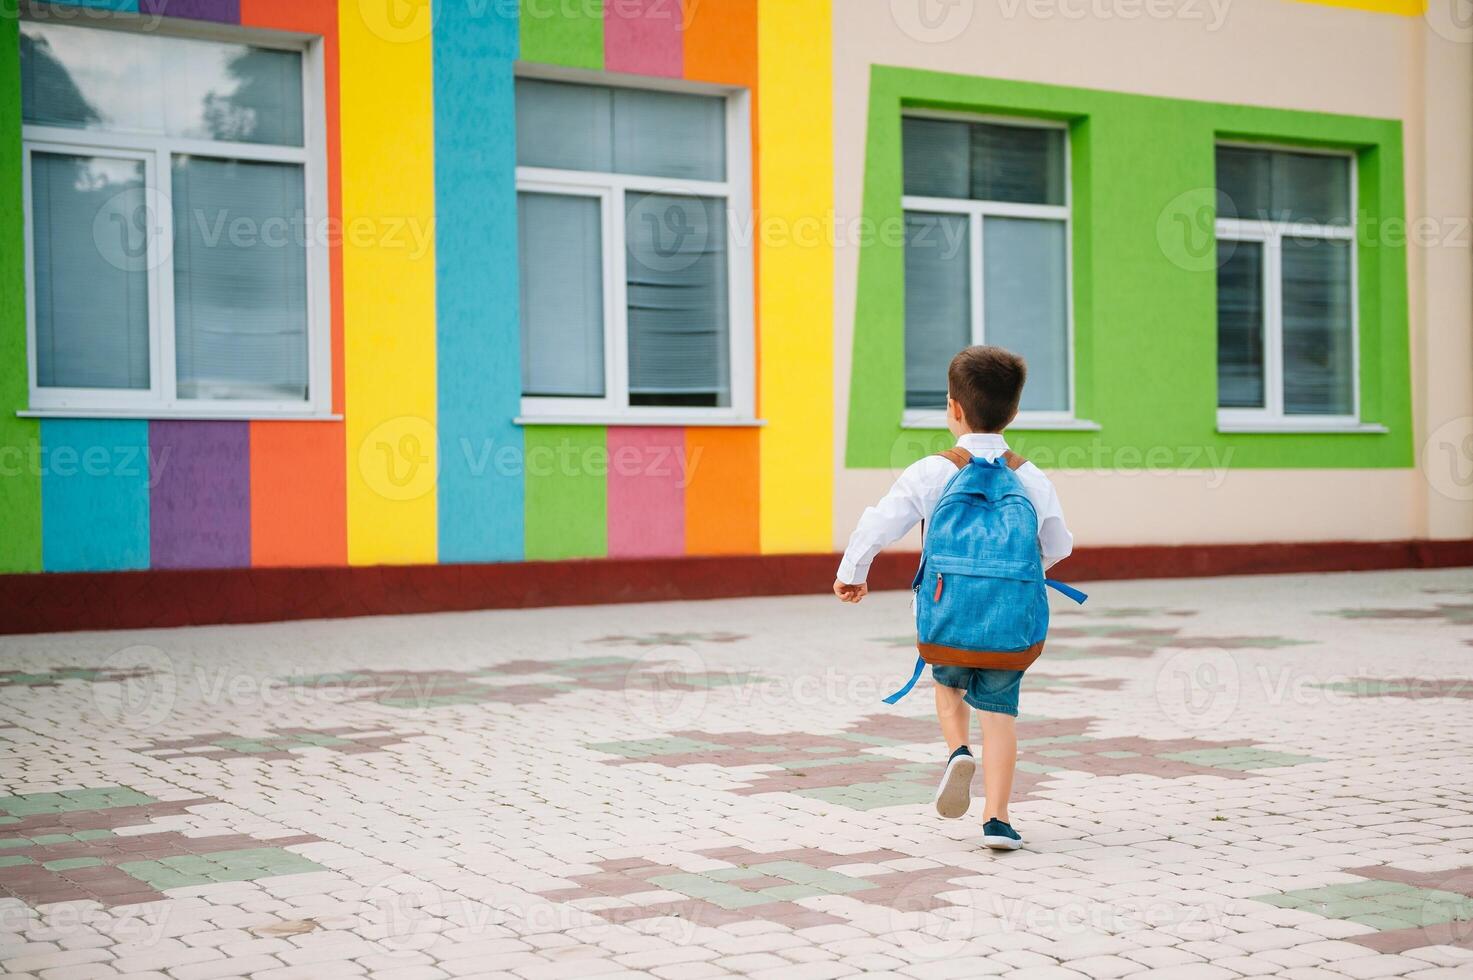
(58, 602)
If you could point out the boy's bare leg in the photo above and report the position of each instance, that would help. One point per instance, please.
(954, 715)
(999, 758)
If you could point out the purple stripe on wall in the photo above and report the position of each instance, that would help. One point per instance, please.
(200, 507)
(224, 11)
(644, 37)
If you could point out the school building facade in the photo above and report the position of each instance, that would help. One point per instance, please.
(321, 307)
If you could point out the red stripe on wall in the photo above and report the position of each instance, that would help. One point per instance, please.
(59, 601)
(644, 37)
(647, 478)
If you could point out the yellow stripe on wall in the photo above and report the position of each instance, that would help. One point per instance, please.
(1405, 8)
(389, 284)
(796, 273)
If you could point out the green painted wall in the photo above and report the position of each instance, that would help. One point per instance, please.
(567, 491)
(20, 478)
(1145, 288)
(555, 32)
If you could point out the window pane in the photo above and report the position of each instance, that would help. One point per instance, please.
(620, 130)
(1240, 325)
(91, 222)
(666, 134)
(1025, 303)
(233, 92)
(1018, 164)
(937, 155)
(1273, 185)
(126, 82)
(1317, 327)
(560, 244)
(938, 302)
(983, 161)
(679, 330)
(567, 127)
(240, 279)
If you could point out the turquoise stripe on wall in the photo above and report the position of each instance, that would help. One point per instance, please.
(478, 335)
(94, 494)
(127, 6)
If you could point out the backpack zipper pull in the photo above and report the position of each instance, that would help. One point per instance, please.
(938, 588)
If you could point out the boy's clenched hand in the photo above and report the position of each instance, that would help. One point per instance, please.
(850, 593)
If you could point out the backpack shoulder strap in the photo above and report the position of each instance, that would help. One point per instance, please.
(1012, 459)
(959, 457)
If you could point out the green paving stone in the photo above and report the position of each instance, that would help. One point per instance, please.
(93, 834)
(242, 745)
(732, 874)
(791, 893)
(1057, 753)
(14, 860)
(1120, 754)
(1037, 767)
(15, 842)
(47, 839)
(1239, 759)
(1054, 740)
(694, 885)
(312, 738)
(67, 864)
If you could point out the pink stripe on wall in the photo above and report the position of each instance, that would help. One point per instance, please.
(644, 37)
(646, 491)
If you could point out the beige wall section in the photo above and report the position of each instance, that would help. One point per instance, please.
(1442, 342)
(1258, 52)
(1200, 506)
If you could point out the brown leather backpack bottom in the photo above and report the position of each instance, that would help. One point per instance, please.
(982, 659)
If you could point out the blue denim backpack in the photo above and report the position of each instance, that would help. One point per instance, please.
(980, 597)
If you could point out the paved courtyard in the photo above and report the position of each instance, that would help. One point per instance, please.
(1218, 778)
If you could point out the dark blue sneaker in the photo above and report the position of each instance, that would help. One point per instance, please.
(954, 795)
(1000, 836)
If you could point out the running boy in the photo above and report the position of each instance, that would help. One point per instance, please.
(984, 386)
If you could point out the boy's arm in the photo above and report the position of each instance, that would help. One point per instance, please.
(908, 502)
(1055, 542)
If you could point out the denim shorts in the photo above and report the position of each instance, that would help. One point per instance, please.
(985, 690)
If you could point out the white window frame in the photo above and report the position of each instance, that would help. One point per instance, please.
(975, 212)
(161, 400)
(1270, 235)
(610, 188)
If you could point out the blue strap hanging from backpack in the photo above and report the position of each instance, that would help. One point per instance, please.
(920, 666)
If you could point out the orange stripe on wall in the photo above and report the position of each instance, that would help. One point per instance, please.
(298, 493)
(721, 502)
(298, 486)
(721, 41)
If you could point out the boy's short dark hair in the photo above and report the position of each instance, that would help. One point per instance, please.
(987, 382)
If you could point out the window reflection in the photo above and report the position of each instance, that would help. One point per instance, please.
(132, 83)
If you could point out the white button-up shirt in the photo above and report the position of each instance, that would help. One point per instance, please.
(915, 494)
